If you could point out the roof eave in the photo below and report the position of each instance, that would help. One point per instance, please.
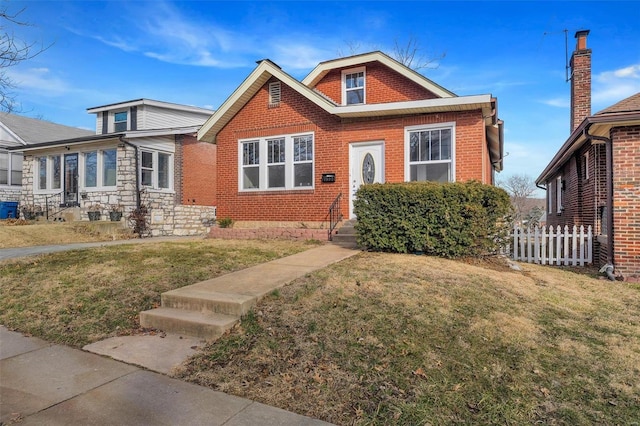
(324, 67)
(65, 142)
(462, 103)
(603, 124)
(249, 87)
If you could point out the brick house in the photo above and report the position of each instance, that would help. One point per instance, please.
(594, 179)
(143, 152)
(288, 149)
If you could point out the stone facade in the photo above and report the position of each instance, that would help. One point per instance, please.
(166, 215)
(9, 194)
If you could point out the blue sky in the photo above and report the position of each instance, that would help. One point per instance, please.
(197, 53)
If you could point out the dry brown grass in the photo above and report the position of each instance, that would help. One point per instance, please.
(403, 339)
(21, 233)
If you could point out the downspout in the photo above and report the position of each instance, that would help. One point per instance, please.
(608, 268)
(135, 148)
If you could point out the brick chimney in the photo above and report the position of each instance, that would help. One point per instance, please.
(580, 80)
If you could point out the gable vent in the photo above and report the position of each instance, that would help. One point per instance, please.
(274, 93)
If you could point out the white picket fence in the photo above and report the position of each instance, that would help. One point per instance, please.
(548, 247)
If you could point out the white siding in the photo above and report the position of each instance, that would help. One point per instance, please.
(161, 143)
(151, 117)
(99, 124)
(7, 139)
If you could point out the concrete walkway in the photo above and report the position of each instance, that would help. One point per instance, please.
(56, 385)
(41, 383)
(16, 252)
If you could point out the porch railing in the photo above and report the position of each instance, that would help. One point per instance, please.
(335, 215)
(46, 203)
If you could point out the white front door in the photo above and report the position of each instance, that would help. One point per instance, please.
(366, 166)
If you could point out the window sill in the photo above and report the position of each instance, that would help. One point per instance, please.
(603, 239)
(305, 190)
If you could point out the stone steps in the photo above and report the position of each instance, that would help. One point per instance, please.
(345, 235)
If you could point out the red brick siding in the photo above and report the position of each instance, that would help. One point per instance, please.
(332, 139)
(382, 85)
(580, 87)
(626, 199)
(198, 172)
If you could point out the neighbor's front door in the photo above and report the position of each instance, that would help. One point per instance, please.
(71, 179)
(366, 162)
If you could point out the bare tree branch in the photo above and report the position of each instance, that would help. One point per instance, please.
(408, 55)
(520, 189)
(13, 51)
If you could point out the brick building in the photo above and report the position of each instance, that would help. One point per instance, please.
(288, 149)
(594, 179)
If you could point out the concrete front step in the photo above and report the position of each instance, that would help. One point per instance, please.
(206, 325)
(210, 301)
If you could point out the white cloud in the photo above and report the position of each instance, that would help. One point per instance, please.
(557, 102)
(612, 86)
(40, 80)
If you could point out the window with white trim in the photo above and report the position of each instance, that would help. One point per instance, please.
(276, 163)
(120, 121)
(549, 198)
(100, 168)
(156, 169)
(559, 194)
(353, 86)
(49, 172)
(585, 166)
(10, 168)
(430, 153)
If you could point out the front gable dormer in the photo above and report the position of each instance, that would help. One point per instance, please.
(372, 78)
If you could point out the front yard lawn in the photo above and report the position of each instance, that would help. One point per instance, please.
(374, 340)
(79, 297)
(412, 340)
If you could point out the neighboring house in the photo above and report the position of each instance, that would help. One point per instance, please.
(17, 132)
(594, 179)
(287, 149)
(144, 152)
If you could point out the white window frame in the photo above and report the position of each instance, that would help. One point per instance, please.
(559, 194)
(82, 170)
(263, 165)
(126, 122)
(428, 127)
(585, 168)
(155, 170)
(549, 198)
(49, 173)
(11, 157)
(345, 74)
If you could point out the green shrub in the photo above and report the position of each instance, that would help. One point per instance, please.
(225, 222)
(449, 220)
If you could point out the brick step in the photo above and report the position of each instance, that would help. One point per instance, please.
(205, 325)
(198, 300)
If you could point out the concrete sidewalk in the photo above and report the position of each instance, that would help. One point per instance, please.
(41, 383)
(50, 384)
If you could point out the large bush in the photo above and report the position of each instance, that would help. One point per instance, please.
(449, 220)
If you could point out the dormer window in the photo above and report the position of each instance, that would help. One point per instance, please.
(353, 86)
(120, 121)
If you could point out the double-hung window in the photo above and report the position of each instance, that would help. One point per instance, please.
(276, 163)
(49, 172)
(559, 194)
(100, 168)
(353, 86)
(10, 168)
(155, 169)
(429, 153)
(120, 121)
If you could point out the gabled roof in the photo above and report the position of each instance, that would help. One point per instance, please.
(150, 102)
(267, 69)
(31, 131)
(624, 113)
(324, 67)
